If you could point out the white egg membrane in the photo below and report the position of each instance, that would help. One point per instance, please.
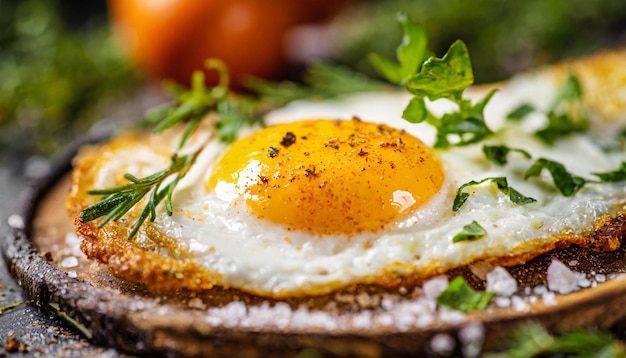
(265, 258)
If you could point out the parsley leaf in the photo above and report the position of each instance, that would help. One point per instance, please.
(514, 195)
(410, 54)
(616, 175)
(559, 125)
(497, 154)
(461, 297)
(566, 116)
(470, 232)
(445, 77)
(567, 183)
(448, 77)
(520, 112)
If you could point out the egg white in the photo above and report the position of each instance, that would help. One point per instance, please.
(216, 230)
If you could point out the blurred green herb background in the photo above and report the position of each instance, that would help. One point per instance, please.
(60, 65)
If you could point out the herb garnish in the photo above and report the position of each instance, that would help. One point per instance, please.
(321, 81)
(566, 116)
(461, 297)
(470, 232)
(436, 78)
(567, 183)
(502, 184)
(497, 154)
(532, 340)
(191, 107)
(411, 53)
(616, 175)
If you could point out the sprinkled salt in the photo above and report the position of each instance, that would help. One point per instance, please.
(540, 289)
(433, 287)
(549, 298)
(502, 301)
(472, 337)
(500, 281)
(583, 281)
(451, 316)
(519, 304)
(561, 279)
(442, 344)
(362, 320)
(69, 261)
(72, 274)
(16, 221)
(600, 277)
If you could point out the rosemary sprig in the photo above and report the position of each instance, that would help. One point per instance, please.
(117, 201)
(192, 107)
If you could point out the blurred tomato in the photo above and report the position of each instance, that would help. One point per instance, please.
(172, 38)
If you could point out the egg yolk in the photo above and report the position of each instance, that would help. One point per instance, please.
(330, 177)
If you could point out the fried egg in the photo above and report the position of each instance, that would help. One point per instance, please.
(344, 192)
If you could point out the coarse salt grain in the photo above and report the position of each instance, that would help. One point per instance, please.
(500, 281)
(433, 287)
(442, 344)
(561, 279)
(15, 221)
(69, 261)
(502, 301)
(549, 298)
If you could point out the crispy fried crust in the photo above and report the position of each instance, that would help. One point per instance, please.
(139, 261)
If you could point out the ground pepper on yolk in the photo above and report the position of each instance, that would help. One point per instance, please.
(331, 177)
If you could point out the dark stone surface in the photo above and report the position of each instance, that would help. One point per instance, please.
(32, 330)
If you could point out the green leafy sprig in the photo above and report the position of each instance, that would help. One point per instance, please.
(190, 107)
(432, 78)
(470, 232)
(566, 115)
(322, 80)
(462, 297)
(502, 184)
(532, 340)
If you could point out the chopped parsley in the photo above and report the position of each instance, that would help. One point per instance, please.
(567, 183)
(411, 53)
(502, 184)
(470, 232)
(520, 112)
(462, 297)
(566, 116)
(497, 154)
(616, 175)
(437, 78)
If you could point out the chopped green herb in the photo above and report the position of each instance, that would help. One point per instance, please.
(470, 232)
(117, 201)
(497, 154)
(616, 175)
(515, 196)
(559, 125)
(445, 77)
(566, 116)
(410, 54)
(448, 77)
(191, 107)
(520, 112)
(461, 297)
(571, 90)
(567, 183)
(322, 80)
(532, 340)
